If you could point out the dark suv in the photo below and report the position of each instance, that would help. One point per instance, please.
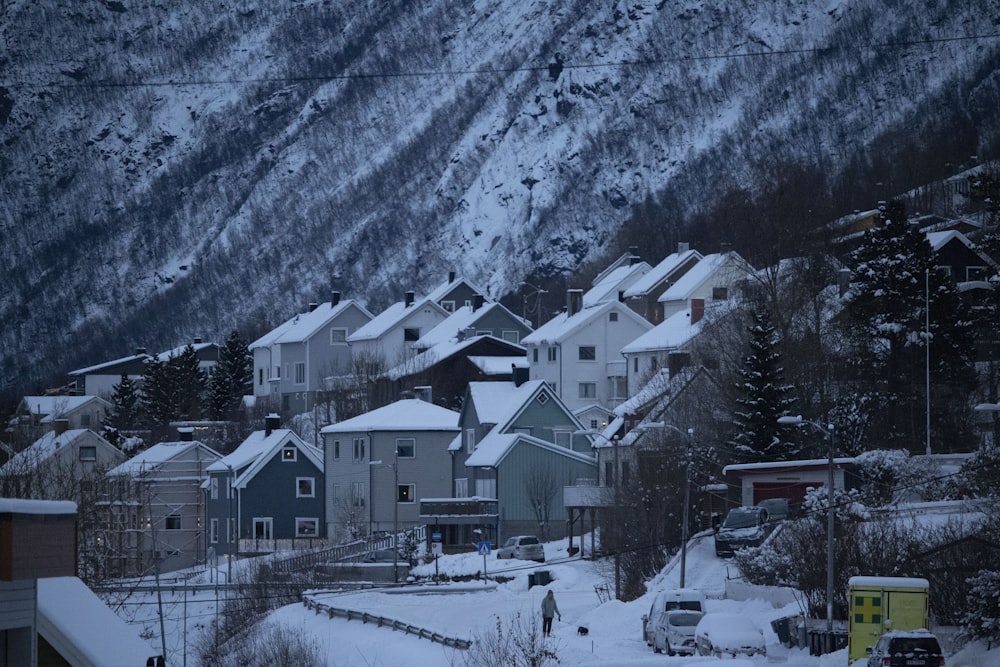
(743, 527)
(906, 648)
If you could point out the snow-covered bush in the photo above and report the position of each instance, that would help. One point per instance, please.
(516, 642)
(892, 476)
(266, 644)
(982, 616)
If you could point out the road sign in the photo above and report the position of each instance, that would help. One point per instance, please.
(435, 537)
(484, 548)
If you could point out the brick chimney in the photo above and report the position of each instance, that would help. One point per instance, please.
(477, 301)
(60, 425)
(451, 277)
(683, 247)
(271, 422)
(697, 310)
(574, 301)
(408, 299)
(185, 434)
(334, 299)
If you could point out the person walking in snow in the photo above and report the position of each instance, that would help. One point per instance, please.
(549, 609)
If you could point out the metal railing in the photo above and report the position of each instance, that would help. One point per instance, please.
(384, 621)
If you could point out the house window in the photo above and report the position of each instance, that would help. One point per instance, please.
(229, 487)
(543, 398)
(534, 355)
(289, 453)
(612, 317)
(288, 372)
(338, 335)
(511, 336)
(609, 474)
(358, 494)
(300, 372)
(720, 293)
(406, 493)
(552, 353)
(470, 440)
(359, 450)
(587, 390)
(233, 532)
(306, 526)
(587, 353)
(462, 487)
(84, 420)
(213, 531)
(305, 487)
(260, 376)
(975, 273)
(411, 335)
(449, 306)
(486, 488)
(593, 424)
(263, 528)
(88, 453)
(654, 363)
(563, 438)
(213, 486)
(172, 522)
(336, 450)
(635, 364)
(406, 448)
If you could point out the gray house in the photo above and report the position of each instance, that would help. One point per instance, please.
(156, 509)
(378, 464)
(520, 445)
(268, 494)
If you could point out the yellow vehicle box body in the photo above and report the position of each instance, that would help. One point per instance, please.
(881, 604)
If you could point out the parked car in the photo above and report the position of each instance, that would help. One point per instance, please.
(906, 648)
(777, 508)
(721, 634)
(743, 527)
(524, 547)
(678, 598)
(673, 631)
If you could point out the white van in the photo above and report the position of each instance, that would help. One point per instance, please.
(678, 598)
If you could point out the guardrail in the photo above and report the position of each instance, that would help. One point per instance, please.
(383, 621)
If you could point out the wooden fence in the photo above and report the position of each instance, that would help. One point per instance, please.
(383, 621)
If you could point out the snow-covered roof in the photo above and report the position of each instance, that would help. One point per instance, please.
(773, 465)
(698, 274)
(463, 318)
(618, 280)
(498, 365)
(939, 240)
(443, 350)
(391, 317)
(268, 339)
(25, 506)
(44, 448)
(48, 405)
(888, 582)
(670, 334)
(107, 364)
(495, 402)
(562, 326)
(409, 414)
(305, 325)
(441, 291)
(178, 351)
(83, 630)
(258, 449)
(492, 449)
(670, 263)
(157, 455)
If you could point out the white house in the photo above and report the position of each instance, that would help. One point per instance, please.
(662, 348)
(612, 283)
(711, 279)
(643, 294)
(389, 337)
(578, 352)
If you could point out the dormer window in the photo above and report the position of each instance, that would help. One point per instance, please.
(289, 453)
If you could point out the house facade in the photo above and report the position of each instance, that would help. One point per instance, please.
(712, 279)
(156, 509)
(268, 494)
(643, 295)
(292, 361)
(100, 379)
(578, 352)
(380, 463)
(75, 412)
(388, 339)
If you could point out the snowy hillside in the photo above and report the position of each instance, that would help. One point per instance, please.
(171, 170)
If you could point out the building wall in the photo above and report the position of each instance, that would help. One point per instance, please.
(272, 493)
(17, 622)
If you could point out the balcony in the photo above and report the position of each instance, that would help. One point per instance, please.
(586, 493)
(459, 510)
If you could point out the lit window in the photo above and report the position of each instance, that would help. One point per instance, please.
(290, 453)
(306, 527)
(405, 493)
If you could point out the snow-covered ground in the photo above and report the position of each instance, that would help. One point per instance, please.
(465, 611)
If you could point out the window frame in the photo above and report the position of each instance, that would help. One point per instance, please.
(213, 531)
(412, 492)
(300, 372)
(88, 449)
(172, 521)
(586, 390)
(338, 335)
(359, 450)
(586, 353)
(413, 448)
(553, 356)
(310, 492)
(411, 334)
(289, 449)
(300, 520)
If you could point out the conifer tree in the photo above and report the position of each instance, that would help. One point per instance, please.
(231, 377)
(159, 395)
(896, 293)
(765, 396)
(124, 414)
(189, 384)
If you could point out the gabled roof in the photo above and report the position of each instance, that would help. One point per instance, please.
(410, 414)
(446, 350)
(110, 364)
(670, 334)
(83, 630)
(463, 318)
(661, 390)
(303, 326)
(560, 327)
(618, 280)
(46, 446)
(50, 405)
(391, 317)
(157, 455)
(701, 273)
(498, 365)
(495, 402)
(257, 451)
(178, 351)
(939, 240)
(495, 447)
(661, 271)
(441, 291)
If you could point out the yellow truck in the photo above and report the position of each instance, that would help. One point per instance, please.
(881, 604)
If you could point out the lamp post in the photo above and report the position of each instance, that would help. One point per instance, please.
(536, 292)
(687, 495)
(788, 419)
(990, 407)
(395, 513)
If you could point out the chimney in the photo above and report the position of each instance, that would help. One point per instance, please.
(408, 299)
(451, 277)
(697, 310)
(271, 422)
(60, 425)
(574, 301)
(334, 299)
(196, 340)
(140, 350)
(519, 374)
(683, 247)
(725, 247)
(185, 434)
(313, 306)
(468, 332)
(621, 295)
(477, 301)
(634, 252)
(424, 393)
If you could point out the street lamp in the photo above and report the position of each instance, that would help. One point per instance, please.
(798, 421)
(994, 408)
(536, 292)
(687, 493)
(395, 513)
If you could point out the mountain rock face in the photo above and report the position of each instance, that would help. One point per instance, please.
(177, 169)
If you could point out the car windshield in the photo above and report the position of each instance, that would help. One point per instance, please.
(687, 620)
(740, 519)
(529, 540)
(908, 646)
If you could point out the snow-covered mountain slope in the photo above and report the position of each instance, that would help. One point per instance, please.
(175, 169)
